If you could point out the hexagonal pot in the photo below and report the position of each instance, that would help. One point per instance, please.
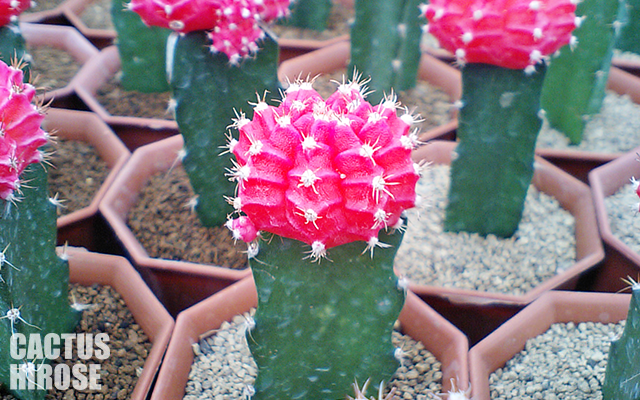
(84, 227)
(178, 284)
(69, 40)
(417, 319)
(552, 307)
(478, 313)
(100, 37)
(86, 268)
(621, 260)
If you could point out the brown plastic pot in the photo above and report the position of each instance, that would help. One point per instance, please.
(417, 319)
(576, 162)
(69, 40)
(621, 261)
(478, 313)
(133, 131)
(178, 284)
(84, 227)
(73, 9)
(504, 343)
(51, 16)
(86, 268)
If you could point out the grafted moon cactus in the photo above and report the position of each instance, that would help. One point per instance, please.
(325, 173)
(10, 9)
(218, 57)
(20, 133)
(12, 45)
(325, 184)
(232, 25)
(502, 47)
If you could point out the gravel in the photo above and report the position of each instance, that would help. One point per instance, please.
(224, 368)
(598, 135)
(543, 245)
(567, 362)
(622, 210)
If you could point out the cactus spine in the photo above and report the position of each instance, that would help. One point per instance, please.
(622, 375)
(34, 279)
(326, 178)
(142, 51)
(575, 84)
(385, 44)
(502, 48)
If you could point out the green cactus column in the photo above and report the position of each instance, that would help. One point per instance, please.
(37, 280)
(142, 51)
(12, 45)
(575, 84)
(629, 39)
(208, 92)
(321, 326)
(497, 130)
(309, 14)
(385, 44)
(622, 376)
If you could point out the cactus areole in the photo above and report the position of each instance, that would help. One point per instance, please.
(20, 133)
(233, 25)
(322, 172)
(508, 33)
(325, 178)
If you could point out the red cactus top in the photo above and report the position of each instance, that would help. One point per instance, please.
(233, 25)
(10, 9)
(20, 133)
(508, 33)
(323, 172)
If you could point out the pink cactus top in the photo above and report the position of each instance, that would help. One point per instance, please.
(233, 25)
(323, 172)
(10, 9)
(20, 133)
(508, 33)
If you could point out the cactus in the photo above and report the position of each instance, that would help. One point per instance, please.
(142, 51)
(214, 67)
(323, 181)
(12, 44)
(502, 51)
(575, 84)
(34, 280)
(629, 38)
(622, 375)
(385, 44)
(310, 14)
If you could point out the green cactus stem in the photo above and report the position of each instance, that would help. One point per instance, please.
(320, 326)
(142, 51)
(37, 280)
(629, 39)
(208, 91)
(622, 375)
(497, 131)
(574, 88)
(385, 44)
(309, 14)
(12, 46)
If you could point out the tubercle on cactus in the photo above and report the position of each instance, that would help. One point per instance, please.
(20, 132)
(233, 25)
(512, 33)
(10, 9)
(323, 172)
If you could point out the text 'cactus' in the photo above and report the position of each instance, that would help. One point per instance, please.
(233, 25)
(323, 172)
(508, 33)
(20, 133)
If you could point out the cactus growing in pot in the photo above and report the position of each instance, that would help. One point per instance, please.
(502, 47)
(321, 186)
(33, 279)
(218, 57)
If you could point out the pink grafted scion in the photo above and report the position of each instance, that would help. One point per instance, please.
(325, 172)
(10, 9)
(508, 33)
(232, 25)
(20, 132)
